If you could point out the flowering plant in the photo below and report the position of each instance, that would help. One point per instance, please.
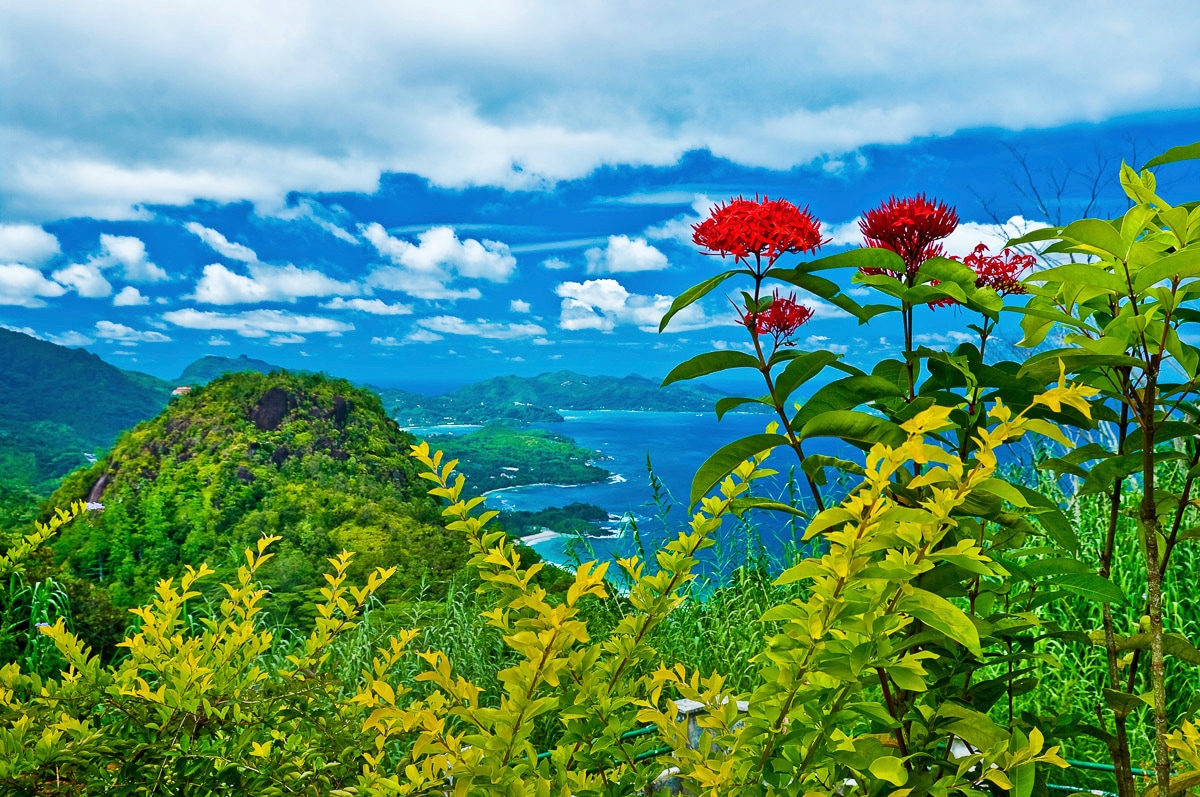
(762, 229)
(910, 227)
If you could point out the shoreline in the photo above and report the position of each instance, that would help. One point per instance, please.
(611, 478)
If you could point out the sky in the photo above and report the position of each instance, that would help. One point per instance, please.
(424, 195)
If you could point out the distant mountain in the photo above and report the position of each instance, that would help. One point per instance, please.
(312, 459)
(206, 369)
(539, 398)
(58, 406)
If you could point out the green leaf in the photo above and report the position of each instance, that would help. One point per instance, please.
(1022, 778)
(857, 428)
(855, 258)
(727, 458)
(1185, 152)
(937, 612)
(741, 505)
(730, 402)
(1035, 236)
(830, 292)
(710, 363)
(815, 464)
(889, 768)
(1182, 265)
(800, 370)
(1097, 236)
(844, 394)
(1103, 474)
(1092, 274)
(694, 294)
(1092, 587)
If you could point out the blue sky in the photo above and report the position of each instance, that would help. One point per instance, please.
(424, 197)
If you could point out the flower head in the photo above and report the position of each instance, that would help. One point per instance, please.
(1002, 272)
(911, 228)
(763, 229)
(780, 320)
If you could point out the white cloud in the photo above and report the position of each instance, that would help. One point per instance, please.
(603, 304)
(266, 283)
(542, 342)
(285, 340)
(218, 340)
(256, 323)
(26, 243)
(220, 244)
(845, 234)
(70, 338)
(110, 330)
(318, 215)
(944, 340)
(372, 306)
(425, 269)
(823, 342)
(519, 306)
(453, 325)
(555, 264)
(388, 341)
(26, 287)
(85, 279)
(129, 297)
(679, 229)
(623, 254)
(519, 96)
(129, 253)
(423, 336)
(959, 243)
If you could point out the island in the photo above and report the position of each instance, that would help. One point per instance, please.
(496, 457)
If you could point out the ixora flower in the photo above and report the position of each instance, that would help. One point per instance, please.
(780, 320)
(1002, 272)
(762, 229)
(911, 228)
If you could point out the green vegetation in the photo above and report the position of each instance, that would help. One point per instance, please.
(573, 518)
(59, 405)
(208, 368)
(312, 460)
(498, 456)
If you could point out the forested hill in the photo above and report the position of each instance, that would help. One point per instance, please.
(539, 398)
(206, 369)
(56, 404)
(312, 459)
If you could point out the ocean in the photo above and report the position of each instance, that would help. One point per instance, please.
(673, 445)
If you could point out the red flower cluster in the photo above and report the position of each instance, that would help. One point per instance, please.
(780, 320)
(763, 229)
(909, 227)
(1002, 272)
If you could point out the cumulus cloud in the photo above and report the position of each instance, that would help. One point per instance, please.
(220, 244)
(519, 306)
(218, 340)
(603, 304)
(944, 340)
(679, 229)
(85, 279)
(623, 254)
(286, 340)
(26, 243)
(127, 335)
(129, 253)
(70, 338)
(388, 341)
(265, 283)
(129, 296)
(318, 215)
(520, 97)
(481, 328)
(823, 342)
(26, 287)
(372, 306)
(426, 268)
(423, 336)
(555, 264)
(256, 323)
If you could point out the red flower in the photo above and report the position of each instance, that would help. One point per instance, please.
(909, 227)
(781, 319)
(1002, 272)
(762, 229)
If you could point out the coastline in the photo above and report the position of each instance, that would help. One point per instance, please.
(610, 478)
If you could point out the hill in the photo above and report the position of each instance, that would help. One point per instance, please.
(59, 406)
(206, 369)
(312, 459)
(521, 399)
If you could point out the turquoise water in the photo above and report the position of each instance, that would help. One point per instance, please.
(676, 444)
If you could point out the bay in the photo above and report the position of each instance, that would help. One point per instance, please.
(672, 445)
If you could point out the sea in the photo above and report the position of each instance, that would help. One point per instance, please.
(653, 457)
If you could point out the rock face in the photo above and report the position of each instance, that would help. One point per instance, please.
(311, 459)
